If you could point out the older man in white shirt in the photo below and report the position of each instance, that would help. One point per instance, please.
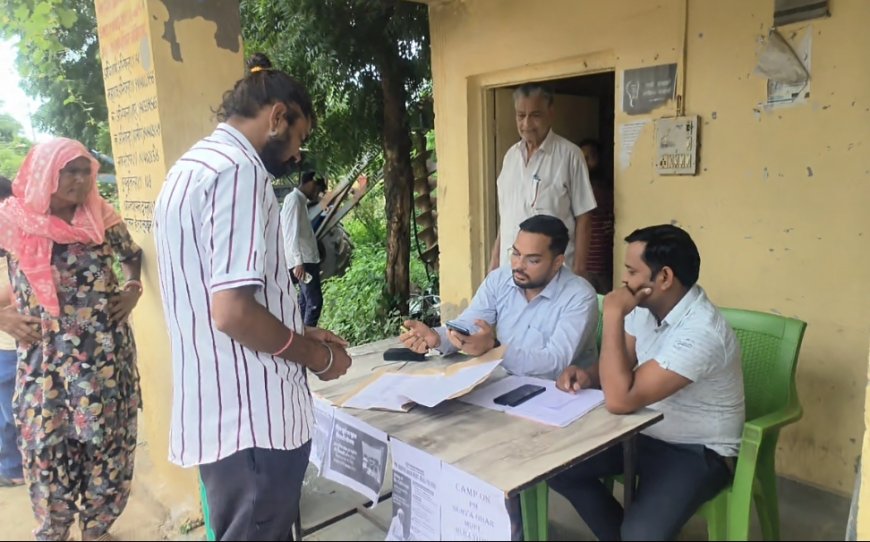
(300, 246)
(543, 173)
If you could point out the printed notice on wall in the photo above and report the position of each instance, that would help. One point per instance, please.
(644, 89)
(357, 456)
(131, 100)
(628, 136)
(416, 509)
(471, 509)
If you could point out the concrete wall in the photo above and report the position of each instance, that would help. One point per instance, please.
(779, 207)
(166, 64)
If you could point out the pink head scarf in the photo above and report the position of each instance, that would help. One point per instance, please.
(27, 228)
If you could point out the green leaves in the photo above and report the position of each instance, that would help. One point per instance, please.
(67, 17)
(58, 61)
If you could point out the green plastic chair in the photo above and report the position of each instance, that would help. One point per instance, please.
(600, 321)
(770, 346)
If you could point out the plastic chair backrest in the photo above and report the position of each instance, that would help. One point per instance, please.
(769, 345)
(600, 322)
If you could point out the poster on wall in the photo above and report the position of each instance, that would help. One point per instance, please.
(644, 89)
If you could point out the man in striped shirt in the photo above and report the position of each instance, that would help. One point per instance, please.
(241, 404)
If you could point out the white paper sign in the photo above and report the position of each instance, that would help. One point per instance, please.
(324, 414)
(629, 133)
(357, 456)
(416, 508)
(471, 509)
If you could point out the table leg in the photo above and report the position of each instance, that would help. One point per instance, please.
(629, 462)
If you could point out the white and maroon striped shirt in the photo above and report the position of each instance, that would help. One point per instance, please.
(217, 226)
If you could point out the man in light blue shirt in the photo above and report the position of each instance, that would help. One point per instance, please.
(545, 314)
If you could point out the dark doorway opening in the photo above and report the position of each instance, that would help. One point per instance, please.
(584, 111)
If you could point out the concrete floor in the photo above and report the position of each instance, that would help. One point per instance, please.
(806, 513)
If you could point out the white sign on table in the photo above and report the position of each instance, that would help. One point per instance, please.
(472, 509)
(357, 456)
(416, 509)
(433, 500)
(324, 415)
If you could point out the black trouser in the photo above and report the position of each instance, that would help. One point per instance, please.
(674, 480)
(254, 494)
(310, 295)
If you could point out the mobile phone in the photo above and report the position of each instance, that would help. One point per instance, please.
(402, 354)
(458, 328)
(520, 395)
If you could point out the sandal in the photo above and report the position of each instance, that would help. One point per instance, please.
(11, 482)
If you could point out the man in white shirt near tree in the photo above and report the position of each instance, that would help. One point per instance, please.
(300, 246)
(543, 173)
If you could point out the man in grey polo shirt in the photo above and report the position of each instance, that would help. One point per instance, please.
(665, 346)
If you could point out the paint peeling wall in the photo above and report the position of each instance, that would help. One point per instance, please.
(779, 208)
(166, 64)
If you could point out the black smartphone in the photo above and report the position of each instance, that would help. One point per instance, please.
(458, 328)
(403, 354)
(519, 395)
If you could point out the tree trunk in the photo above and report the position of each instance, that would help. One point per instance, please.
(398, 179)
(427, 229)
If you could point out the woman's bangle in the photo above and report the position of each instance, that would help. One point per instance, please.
(135, 283)
(328, 365)
(286, 345)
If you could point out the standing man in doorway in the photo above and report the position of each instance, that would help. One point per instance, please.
(543, 173)
(300, 246)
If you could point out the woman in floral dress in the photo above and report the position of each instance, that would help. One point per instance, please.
(77, 388)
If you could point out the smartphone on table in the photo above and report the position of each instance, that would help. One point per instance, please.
(520, 395)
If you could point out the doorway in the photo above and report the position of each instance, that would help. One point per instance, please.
(584, 110)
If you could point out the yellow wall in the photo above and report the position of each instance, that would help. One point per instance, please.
(160, 103)
(772, 236)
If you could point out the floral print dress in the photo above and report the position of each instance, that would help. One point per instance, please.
(77, 392)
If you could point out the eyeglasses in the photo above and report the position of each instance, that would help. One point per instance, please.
(526, 260)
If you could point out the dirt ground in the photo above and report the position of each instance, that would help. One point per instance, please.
(144, 518)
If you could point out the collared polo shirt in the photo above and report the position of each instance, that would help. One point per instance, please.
(696, 342)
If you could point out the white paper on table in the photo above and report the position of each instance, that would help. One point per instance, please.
(432, 391)
(553, 407)
(357, 456)
(386, 392)
(324, 414)
(471, 509)
(398, 391)
(416, 505)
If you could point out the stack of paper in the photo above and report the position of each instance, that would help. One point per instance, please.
(553, 407)
(427, 386)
